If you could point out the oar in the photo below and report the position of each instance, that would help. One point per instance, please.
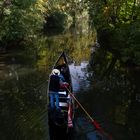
(97, 126)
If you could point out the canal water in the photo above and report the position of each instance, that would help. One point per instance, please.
(83, 126)
(26, 102)
(96, 104)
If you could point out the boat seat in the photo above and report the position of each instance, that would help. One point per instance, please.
(63, 100)
(63, 104)
(68, 97)
(62, 93)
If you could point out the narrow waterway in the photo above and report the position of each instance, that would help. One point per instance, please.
(97, 105)
(25, 100)
(84, 128)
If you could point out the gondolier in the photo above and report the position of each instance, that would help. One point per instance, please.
(54, 88)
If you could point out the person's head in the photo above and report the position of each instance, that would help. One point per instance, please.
(55, 72)
(63, 69)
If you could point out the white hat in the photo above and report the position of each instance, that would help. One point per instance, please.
(55, 71)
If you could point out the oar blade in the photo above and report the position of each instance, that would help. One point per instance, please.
(97, 126)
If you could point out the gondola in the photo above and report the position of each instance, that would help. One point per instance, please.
(61, 123)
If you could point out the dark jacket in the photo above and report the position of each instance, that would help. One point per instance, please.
(54, 83)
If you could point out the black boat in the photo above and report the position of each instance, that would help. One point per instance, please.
(61, 123)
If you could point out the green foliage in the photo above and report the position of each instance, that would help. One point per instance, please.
(111, 13)
(21, 20)
(72, 10)
(118, 31)
(117, 24)
(56, 23)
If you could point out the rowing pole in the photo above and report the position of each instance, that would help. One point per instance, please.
(97, 126)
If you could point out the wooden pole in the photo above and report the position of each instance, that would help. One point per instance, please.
(97, 126)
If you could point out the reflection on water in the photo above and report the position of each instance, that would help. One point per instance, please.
(84, 129)
(24, 83)
(23, 98)
(79, 76)
(101, 105)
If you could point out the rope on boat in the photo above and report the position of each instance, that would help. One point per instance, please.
(97, 126)
(70, 124)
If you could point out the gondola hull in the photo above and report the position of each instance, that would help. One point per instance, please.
(62, 121)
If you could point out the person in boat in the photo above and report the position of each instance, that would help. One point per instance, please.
(62, 79)
(54, 88)
(64, 71)
(63, 76)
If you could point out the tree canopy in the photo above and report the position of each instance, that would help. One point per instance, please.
(117, 24)
(20, 20)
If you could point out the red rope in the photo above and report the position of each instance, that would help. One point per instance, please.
(70, 124)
